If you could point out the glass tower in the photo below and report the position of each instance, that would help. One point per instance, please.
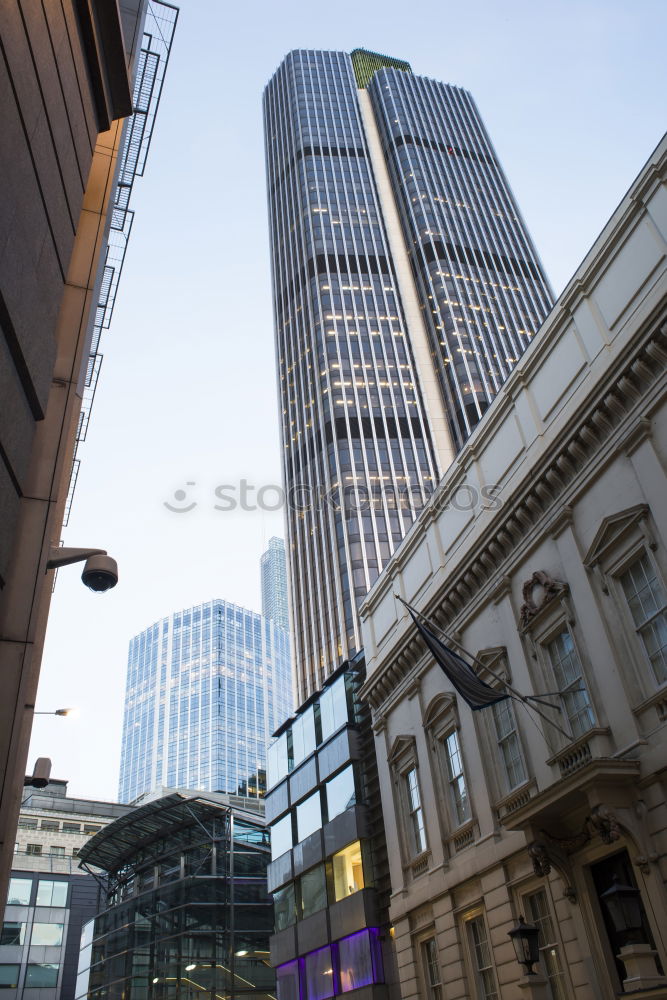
(274, 583)
(206, 687)
(405, 289)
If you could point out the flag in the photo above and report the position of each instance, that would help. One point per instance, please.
(463, 678)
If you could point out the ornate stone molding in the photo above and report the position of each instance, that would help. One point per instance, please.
(546, 587)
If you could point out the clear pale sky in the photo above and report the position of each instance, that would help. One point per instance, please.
(573, 96)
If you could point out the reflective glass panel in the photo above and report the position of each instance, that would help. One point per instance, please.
(287, 979)
(308, 816)
(9, 976)
(44, 975)
(340, 792)
(284, 907)
(313, 891)
(319, 974)
(281, 836)
(19, 891)
(303, 736)
(356, 961)
(50, 935)
(12, 932)
(51, 893)
(333, 708)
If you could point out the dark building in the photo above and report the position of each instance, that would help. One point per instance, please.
(187, 910)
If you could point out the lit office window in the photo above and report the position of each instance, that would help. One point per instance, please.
(348, 871)
(648, 606)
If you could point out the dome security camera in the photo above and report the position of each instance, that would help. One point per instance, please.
(100, 573)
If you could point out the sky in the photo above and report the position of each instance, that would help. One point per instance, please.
(572, 94)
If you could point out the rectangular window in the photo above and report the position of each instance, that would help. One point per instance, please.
(284, 907)
(287, 981)
(457, 782)
(507, 738)
(358, 960)
(281, 837)
(26, 823)
(348, 871)
(48, 935)
(50, 824)
(341, 793)
(12, 932)
(71, 827)
(308, 817)
(9, 977)
(537, 910)
(41, 976)
(313, 887)
(54, 849)
(51, 893)
(648, 606)
(19, 892)
(91, 827)
(33, 848)
(417, 830)
(318, 969)
(481, 956)
(570, 680)
(431, 966)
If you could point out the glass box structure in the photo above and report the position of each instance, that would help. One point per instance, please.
(406, 287)
(205, 689)
(188, 914)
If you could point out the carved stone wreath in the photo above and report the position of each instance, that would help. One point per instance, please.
(551, 588)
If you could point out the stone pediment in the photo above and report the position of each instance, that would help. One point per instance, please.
(612, 530)
(403, 746)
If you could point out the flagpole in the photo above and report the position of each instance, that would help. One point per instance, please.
(514, 693)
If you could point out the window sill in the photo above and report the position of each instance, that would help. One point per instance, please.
(657, 700)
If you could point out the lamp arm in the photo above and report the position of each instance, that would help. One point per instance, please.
(59, 556)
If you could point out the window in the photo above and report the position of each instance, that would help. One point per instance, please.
(348, 872)
(91, 827)
(537, 910)
(50, 824)
(51, 893)
(43, 975)
(457, 782)
(313, 891)
(647, 602)
(9, 977)
(318, 971)
(71, 827)
(284, 907)
(357, 955)
(308, 817)
(60, 851)
(333, 708)
(509, 747)
(287, 981)
(415, 813)
(19, 892)
(281, 837)
(431, 967)
(340, 793)
(481, 958)
(303, 736)
(49, 935)
(569, 678)
(33, 848)
(26, 823)
(12, 932)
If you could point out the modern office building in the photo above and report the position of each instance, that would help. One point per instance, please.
(72, 72)
(50, 897)
(187, 912)
(273, 569)
(406, 288)
(500, 813)
(206, 687)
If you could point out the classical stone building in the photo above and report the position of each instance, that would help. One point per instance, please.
(555, 580)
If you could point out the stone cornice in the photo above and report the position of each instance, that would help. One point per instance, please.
(537, 503)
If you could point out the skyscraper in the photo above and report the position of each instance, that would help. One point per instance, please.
(405, 289)
(274, 583)
(206, 687)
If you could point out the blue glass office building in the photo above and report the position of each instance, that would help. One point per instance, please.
(273, 570)
(406, 287)
(206, 687)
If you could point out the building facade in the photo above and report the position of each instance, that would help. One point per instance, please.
(328, 872)
(405, 289)
(72, 73)
(206, 687)
(559, 588)
(273, 568)
(49, 897)
(186, 912)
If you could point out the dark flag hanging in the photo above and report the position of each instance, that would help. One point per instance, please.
(472, 689)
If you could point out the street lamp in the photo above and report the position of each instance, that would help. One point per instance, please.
(61, 711)
(625, 911)
(525, 940)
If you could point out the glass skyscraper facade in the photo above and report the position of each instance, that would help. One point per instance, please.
(274, 583)
(405, 289)
(206, 688)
